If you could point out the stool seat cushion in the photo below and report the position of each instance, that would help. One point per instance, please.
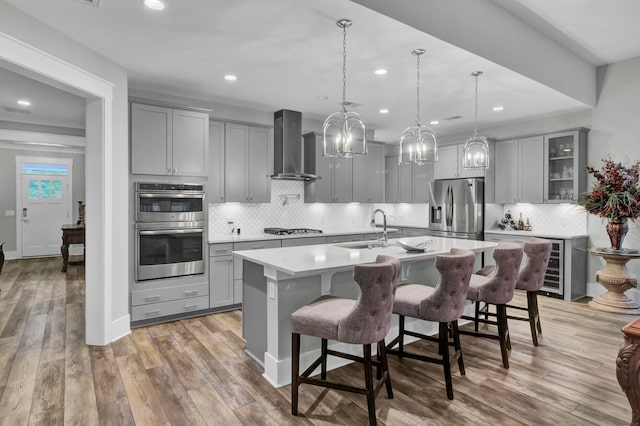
(408, 297)
(321, 318)
(476, 282)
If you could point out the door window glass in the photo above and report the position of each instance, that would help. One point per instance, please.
(56, 189)
(44, 169)
(45, 185)
(34, 189)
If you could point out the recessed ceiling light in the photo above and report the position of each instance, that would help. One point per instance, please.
(498, 108)
(384, 111)
(380, 71)
(434, 122)
(24, 102)
(322, 98)
(154, 4)
(230, 77)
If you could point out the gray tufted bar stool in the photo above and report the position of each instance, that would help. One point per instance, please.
(497, 290)
(364, 321)
(443, 304)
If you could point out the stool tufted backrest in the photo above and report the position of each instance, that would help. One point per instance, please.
(370, 319)
(501, 285)
(531, 275)
(446, 303)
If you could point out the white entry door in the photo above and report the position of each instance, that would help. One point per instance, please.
(46, 206)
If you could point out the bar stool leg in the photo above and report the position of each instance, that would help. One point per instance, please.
(368, 379)
(456, 345)
(295, 371)
(323, 367)
(503, 334)
(534, 318)
(382, 354)
(401, 337)
(443, 337)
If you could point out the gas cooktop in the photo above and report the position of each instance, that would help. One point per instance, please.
(291, 231)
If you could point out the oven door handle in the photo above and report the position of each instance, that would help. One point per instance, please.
(171, 231)
(169, 195)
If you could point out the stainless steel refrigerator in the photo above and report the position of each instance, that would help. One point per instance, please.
(457, 208)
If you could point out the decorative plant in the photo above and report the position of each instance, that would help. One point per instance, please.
(615, 193)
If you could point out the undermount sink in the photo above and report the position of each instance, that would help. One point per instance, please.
(360, 245)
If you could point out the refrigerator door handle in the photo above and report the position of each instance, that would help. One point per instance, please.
(449, 207)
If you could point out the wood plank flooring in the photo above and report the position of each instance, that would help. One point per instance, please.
(195, 372)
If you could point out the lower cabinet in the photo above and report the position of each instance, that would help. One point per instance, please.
(220, 275)
(172, 307)
(150, 304)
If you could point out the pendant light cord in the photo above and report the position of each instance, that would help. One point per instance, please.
(418, 90)
(344, 69)
(475, 131)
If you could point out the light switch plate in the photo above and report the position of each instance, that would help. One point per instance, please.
(9, 213)
(272, 291)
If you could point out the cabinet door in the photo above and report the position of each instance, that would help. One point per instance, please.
(236, 154)
(421, 177)
(259, 176)
(360, 168)
(391, 180)
(565, 162)
(405, 184)
(216, 162)
(506, 167)
(190, 143)
(342, 180)
(447, 165)
(531, 171)
(220, 281)
(151, 130)
(375, 174)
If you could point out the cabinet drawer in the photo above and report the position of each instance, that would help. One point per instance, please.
(295, 242)
(345, 238)
(220, 249)
(415, 232)
(173, 307)
(254, 245)
(164, 294)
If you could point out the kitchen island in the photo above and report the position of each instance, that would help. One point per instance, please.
(278, 281)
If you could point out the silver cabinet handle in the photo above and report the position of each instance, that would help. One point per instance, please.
(152, 298)
(172, 231)
(152, 313)
(190, 307)
(191, 293)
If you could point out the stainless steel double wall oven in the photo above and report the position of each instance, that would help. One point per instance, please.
(170, 230)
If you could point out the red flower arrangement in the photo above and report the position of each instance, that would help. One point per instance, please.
(615, 193)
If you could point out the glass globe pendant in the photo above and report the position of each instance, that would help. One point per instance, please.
(418, 143)
(476, 149)
(344, 132)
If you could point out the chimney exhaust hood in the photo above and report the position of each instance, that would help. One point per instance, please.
(287, 147)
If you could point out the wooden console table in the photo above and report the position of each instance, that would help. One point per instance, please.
(617, 279)
(628, 368)
(71, 234)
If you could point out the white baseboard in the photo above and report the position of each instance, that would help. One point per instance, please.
(119, 328)
(11, 255)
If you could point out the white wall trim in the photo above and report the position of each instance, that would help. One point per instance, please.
(99, 166)
(119, 328)
(45, 139)
(19, 146)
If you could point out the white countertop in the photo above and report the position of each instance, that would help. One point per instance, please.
(557, 235)
(315, 259)
(228, 238)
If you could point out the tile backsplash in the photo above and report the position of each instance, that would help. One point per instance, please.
(550, 218)
(287, 209)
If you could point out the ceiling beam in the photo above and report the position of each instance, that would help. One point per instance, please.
(483, 28)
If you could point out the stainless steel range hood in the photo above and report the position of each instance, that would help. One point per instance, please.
(287, 147)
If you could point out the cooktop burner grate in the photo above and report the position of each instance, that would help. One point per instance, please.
(291, 231)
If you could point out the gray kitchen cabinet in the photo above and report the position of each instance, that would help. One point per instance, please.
(237, 263)
(307, 241)
(450, 166)
(565, 162)
(220, 275)
(406, 183)
(247, 163)
(335, 183)
(369, 176)
(518, 171)
(168, 141)
(216, 181)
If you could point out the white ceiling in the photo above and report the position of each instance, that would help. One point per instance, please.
(288, 54)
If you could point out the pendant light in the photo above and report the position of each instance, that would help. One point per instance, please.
(476, 149)
(418, 142)
(344, 132)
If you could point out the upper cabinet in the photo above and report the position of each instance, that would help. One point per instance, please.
(518, 175)
(565, 162)
(248, 153)
(335, 183)
(407, 183)
(449, 164)
(168, 141)
(368, 175)
(216, 162)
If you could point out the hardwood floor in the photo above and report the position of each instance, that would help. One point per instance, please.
(195, 371)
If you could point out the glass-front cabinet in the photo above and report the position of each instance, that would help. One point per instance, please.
(565, 176)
